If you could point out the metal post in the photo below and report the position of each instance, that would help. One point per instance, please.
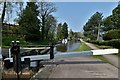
(27, 62)
(1, 45)
(52, 51)
(15, 50)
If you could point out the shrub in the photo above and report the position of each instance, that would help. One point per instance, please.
(112, 34)
(98, 42)
(32, 37)
(115, 43)
(6, 40)
(94, 41)
(104, 47)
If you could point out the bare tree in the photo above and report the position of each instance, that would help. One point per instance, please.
(45, 9)
(8, 8)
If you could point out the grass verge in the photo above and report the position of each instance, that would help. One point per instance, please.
(102, 58)
(106, 47)
(84, 47)
(103, 47)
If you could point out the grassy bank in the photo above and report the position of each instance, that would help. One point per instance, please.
(106, 47)
(84, 47)
(103, 46)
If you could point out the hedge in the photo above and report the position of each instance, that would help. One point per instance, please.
(6, 40)
(98, 42)
(115, 43)
(112, 34)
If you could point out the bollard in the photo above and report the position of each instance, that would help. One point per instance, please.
(15, 50)
(27, 62)
(52, 51)
(37, 63)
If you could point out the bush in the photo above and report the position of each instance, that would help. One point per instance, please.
(112, 34)
(98, 42)
(104, 47)
(32, 37)
(101, 43)
(93, 41)
(115, 43)
(6, 40)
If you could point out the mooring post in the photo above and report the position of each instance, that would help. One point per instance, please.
(52, 51)
(27, 62)
(15, 50)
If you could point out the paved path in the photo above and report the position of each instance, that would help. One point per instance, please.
(92, 70)
(79, 70)
(112, 58)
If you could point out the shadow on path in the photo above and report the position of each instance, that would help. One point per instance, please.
(71, 62)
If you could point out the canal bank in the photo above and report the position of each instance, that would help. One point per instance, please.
(112, 59)
(93, 71)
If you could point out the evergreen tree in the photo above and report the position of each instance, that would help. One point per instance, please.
(116, 17)
(108, 23)
(112, 21)
(91, 28)
(65, 30)
(71, 34)
(59, 32)
(29, 22)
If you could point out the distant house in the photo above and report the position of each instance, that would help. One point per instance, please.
(6, 26)
(10, 28)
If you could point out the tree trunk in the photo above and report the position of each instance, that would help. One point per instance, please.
(98, 35)
(3, 13)
(43, 27)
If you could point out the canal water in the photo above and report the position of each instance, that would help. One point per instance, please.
(70, 46)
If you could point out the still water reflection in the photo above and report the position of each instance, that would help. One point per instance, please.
(71, 45)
